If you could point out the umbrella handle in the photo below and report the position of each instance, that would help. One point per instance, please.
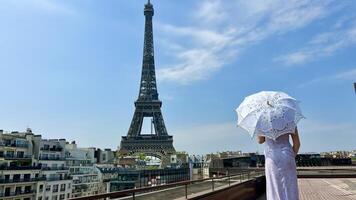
(269, 104)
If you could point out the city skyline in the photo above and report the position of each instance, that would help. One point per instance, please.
(71, 69)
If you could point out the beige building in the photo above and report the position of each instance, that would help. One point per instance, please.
(32, 168)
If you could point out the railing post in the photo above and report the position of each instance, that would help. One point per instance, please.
(212, 183)
(228, 173)
(133, 196)
(186, 191)
(229, 180)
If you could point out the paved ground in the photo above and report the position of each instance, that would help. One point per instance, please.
(326, 189)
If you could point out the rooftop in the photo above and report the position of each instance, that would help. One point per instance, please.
(331, 189)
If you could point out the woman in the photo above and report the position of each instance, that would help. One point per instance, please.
(281, 173)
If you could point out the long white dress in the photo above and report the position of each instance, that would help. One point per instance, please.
(281, 174)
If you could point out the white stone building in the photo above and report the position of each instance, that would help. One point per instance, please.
(81, 163)
(32, 168)
(51, 158)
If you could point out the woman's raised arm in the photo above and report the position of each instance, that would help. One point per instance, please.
(296, 141)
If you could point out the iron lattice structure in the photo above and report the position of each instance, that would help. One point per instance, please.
(148, 104)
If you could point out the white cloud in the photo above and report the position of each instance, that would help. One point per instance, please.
(324, 44)
(211, 11)
(348, 75)
(50, 6)
(222, 29)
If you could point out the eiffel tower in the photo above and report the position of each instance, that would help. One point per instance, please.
(148, 104)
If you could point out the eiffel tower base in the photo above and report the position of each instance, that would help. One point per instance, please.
(157, 146)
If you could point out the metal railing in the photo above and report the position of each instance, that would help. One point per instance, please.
(212, 182)
(59, 178)
(54, 168)
(51, 158)
(4, 167)
(14, 145)
(16, 156)
(51, 149)
(22, 180)
(16, 193)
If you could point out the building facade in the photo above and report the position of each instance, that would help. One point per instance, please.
(32, 168)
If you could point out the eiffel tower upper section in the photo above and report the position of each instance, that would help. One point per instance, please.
(148, 86)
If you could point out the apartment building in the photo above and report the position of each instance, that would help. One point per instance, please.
(19, 176)
(81, 163)
(32, 168)
(51, 158)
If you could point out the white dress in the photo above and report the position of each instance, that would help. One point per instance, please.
(281, 174)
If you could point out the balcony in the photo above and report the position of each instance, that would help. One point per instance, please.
(14, 145)
(56, 149)
(23, 180)
(16, 156)
(18, 193)
(20, 167)
(59, 178)
(51, 158)
(55, 168)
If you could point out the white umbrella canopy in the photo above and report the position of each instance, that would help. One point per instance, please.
(269, 113)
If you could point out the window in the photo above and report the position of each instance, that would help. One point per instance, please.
(20, 154)
(16, 177)
(18, 190)
(41, 188)
(54, 197)
(28, 189)
(27, 177)
(68, 196)
(47, 198)
(48, 188)
(63, 187)
(39, 198)
(7, 191)
(62, 196)
(55, 188)
(10, 154)
(68, 185)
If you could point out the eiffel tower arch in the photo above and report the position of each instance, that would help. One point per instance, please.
(148, 105)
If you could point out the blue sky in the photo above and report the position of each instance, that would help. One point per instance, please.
(71, 69)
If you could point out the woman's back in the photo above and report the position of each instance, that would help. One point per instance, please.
(281, 142)
(280, 169)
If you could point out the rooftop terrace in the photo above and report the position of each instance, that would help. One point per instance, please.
(329, 183)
